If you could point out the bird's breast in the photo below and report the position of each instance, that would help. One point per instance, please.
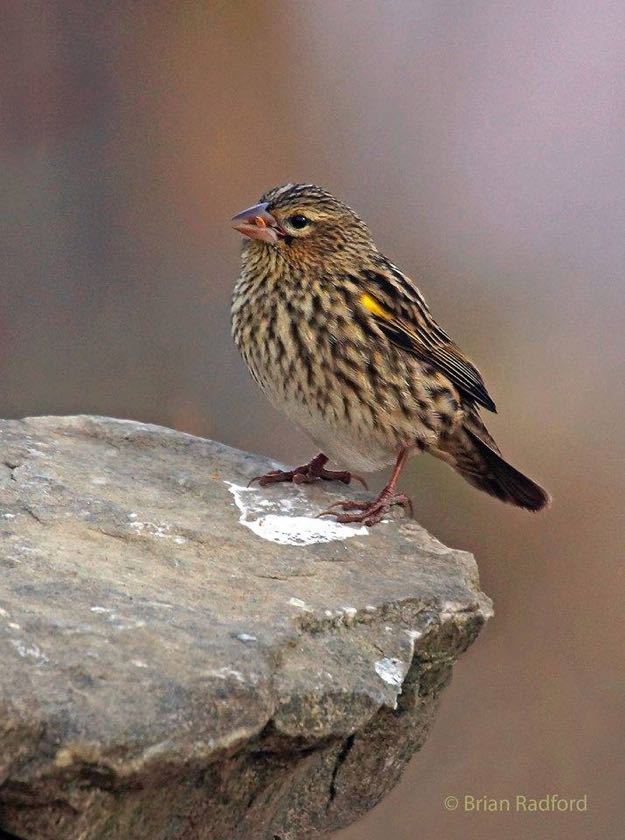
(357, 395)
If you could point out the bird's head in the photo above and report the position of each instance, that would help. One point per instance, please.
(306, 224)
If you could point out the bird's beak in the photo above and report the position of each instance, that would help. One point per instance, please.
(257, 223)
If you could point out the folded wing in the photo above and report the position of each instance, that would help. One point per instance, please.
(401, 313)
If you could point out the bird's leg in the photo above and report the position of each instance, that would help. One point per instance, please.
(369, 513)
(308, 473)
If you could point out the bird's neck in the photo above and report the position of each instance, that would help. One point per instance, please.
(267, 267)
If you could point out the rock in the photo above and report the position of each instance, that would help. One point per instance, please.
(183, 657)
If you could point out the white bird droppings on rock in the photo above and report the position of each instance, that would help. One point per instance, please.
(391, 670)
(159, 530)
(297, 602)
(245, 637)
(287, 528)
(25, 650)
(349, 615)
(225, 672)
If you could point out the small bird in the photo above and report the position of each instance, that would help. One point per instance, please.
(343, 342)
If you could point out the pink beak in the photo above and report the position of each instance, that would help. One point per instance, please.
(257, 223)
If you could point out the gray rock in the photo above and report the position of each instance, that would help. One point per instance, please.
(183, 657)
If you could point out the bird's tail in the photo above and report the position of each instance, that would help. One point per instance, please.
(474, 454)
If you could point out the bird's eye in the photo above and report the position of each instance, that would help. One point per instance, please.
(298, 221)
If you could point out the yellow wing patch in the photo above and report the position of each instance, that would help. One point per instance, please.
(374, 307)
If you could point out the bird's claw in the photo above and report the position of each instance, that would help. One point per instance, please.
(342, 475)
(369, 513)
(273, 477)
(306, 475)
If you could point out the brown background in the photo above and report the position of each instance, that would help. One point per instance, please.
(484, 143)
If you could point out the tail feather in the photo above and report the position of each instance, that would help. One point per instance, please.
(484, 468)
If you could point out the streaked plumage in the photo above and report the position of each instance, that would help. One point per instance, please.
(343, 342)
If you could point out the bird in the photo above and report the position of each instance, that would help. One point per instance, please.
(342, 341)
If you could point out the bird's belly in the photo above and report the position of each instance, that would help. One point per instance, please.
(359, 434)
(349, 447)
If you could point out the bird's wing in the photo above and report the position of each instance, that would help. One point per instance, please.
(401, 313)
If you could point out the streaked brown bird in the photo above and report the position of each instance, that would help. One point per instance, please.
(343, 342)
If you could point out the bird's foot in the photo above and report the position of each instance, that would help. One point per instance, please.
(369, 513)
(307, 473)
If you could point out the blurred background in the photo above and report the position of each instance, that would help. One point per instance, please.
(484, 143)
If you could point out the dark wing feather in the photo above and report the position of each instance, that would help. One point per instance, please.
(405, 318)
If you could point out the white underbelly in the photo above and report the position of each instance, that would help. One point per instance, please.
(346, 446)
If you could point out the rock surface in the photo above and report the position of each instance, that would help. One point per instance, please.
(182, 657)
